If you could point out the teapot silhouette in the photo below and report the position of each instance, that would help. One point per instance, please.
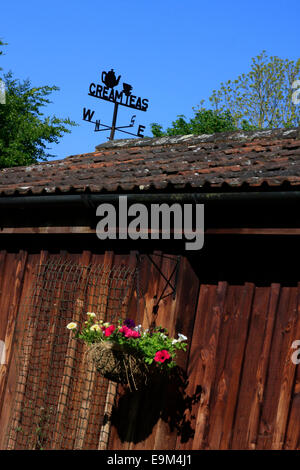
(109, 78)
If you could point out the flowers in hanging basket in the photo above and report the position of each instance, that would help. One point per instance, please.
(127, 353)
(129, 323)
(161, 356)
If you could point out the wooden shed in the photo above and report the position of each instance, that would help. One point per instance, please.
(237, 299)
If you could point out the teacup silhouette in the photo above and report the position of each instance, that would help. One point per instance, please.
(127, 89)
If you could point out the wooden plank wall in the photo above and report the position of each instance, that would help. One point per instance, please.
(239, 388)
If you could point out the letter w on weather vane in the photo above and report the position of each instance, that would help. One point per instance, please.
(123, 97)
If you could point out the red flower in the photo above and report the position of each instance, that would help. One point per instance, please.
(109, 330)
(162, 356)
(128, 333)
(135, 334)
(125, 330)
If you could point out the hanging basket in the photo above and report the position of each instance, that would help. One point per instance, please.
(115, 363)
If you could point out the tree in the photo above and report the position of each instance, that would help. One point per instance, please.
(205, 121)
(1, 52)
(2, 88)
(262, 98)
(24, 131)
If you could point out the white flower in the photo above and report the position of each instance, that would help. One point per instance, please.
(95, 328)
(138, 328)
(72, 326)
(91, 314)
(174, 341)
(163, 335)
(181, 337)
(106, 325)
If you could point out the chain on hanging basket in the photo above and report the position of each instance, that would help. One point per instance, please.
(126, 353)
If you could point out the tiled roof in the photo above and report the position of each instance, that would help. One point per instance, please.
(192, 163)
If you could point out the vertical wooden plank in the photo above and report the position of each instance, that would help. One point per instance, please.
(149, 283)
(89, 375)
(14, 395)
(165, 438)
(196, 368)
(130, 262)
(84, 296)
(178, 316)
(137, 435)
(15, 290)
(170, 428)
(227, 385)
(105, 428)
(255, 367)
(4, 312)
(9, 269)
(203, 357)
(187, 293)
(15, 277)
(291, 331)
(164, 317)
(150, 287)
(292, 437)
(274, 413)
(49, 334)
(69, 362)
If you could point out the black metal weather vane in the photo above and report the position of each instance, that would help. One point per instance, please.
(122, 97)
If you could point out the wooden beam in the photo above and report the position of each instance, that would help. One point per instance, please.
(209, 231)
(253, 231)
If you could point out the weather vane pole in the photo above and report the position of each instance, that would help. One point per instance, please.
(122, 97)
(114, 121)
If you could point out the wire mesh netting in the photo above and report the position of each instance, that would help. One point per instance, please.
(61, 401)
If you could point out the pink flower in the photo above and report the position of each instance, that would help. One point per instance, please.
(109, 330)
(128, 333)
(135, 334)
(162, 356)
(124, 329)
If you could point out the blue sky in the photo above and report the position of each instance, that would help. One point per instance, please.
(172, 52)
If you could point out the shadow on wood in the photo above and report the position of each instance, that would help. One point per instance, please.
(136, 413)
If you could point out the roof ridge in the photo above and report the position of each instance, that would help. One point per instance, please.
(238, 135)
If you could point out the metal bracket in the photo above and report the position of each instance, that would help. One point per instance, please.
(173, 286)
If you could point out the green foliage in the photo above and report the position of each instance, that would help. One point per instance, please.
(145, 343)
(205, 121)
(262, 98)
(159, 340)
(1, 52)
(24, 130)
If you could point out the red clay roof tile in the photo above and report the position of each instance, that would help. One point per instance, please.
(198, 162)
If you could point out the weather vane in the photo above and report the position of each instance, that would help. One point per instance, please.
(122, 97)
